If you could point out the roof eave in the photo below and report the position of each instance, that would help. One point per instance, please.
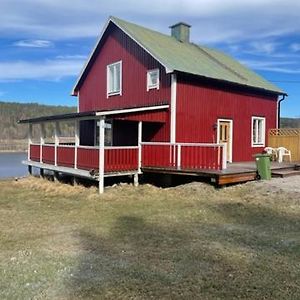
(75, 88)
(277, 92)
(95, 114)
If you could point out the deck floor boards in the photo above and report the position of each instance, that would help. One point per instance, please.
(235, 172)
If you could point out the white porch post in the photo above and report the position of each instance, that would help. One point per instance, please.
(56, 141)
(42, 140)
(136, 175)
(173, 108)
(101, 155)
(76, 142)
(224, 157)
(178, 156)
(140, 130)
(29, 139)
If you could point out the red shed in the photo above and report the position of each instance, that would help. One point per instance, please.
(146, 99)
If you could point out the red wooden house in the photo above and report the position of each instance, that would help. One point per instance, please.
(146, 99)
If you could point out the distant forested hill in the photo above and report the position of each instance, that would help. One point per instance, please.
(290, 122)
(10, 113)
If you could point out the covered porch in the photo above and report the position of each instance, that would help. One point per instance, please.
(115, 143)
(101, 144)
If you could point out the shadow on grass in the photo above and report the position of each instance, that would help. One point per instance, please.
(262, 228)
(143, 260)
(129, 261)
(268, 218)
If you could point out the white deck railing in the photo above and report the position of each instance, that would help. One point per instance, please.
(185, 155)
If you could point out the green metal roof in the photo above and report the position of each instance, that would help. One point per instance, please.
(194, 59)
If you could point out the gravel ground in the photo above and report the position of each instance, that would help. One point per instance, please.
(289, 184)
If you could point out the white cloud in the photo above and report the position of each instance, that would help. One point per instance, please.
(262, 47)
(81, 57)
(249, 26)
(40, 70)
(287, 67)
(33, 43)
(212, 21)
(295, 47)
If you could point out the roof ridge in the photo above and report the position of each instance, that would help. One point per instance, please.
(210, 56)
(143, 27)
(223, 65)
(184, 57)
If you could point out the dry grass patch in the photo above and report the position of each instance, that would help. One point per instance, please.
(191, 241)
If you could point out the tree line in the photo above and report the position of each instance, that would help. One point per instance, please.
(290, 122)
(12, 112)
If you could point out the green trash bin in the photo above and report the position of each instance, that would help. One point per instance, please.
(263, 164)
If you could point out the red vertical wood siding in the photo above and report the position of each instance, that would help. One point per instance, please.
(65, 156)
(161, 156)
(163, 129)
(88, 159)
(118, 160)
(199, 106)
(48, 154)
(125, 133)
(191, 157)
(152, 132)
(148, 116)
(195, 157)
(35, 152)
(135, 63)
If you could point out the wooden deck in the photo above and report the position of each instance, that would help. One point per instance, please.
(235, 172)
(75, 172)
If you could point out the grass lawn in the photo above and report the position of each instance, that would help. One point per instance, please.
(192, 241)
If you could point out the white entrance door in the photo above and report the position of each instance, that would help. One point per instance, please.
(225, 132)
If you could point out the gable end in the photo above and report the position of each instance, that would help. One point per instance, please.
(97, 48)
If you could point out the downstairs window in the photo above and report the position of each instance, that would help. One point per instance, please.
(258, 131)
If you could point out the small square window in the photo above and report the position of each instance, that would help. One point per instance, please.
(153, 79)
(258, 131)
(114, 79)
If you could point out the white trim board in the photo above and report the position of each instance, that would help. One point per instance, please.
(231, 135)
(130, 110)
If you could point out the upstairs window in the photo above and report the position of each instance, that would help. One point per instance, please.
(114, 79)
(258, 131)
(153, 79)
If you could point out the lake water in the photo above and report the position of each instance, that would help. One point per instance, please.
(11, 165)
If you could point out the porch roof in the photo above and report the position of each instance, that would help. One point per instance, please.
(94, 114)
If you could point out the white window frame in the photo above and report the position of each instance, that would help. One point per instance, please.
(263, 134)
(154, 86)
(113, 93)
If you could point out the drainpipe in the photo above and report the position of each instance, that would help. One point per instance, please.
(278, 110)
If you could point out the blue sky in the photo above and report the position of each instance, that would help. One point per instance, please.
(44, 43)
